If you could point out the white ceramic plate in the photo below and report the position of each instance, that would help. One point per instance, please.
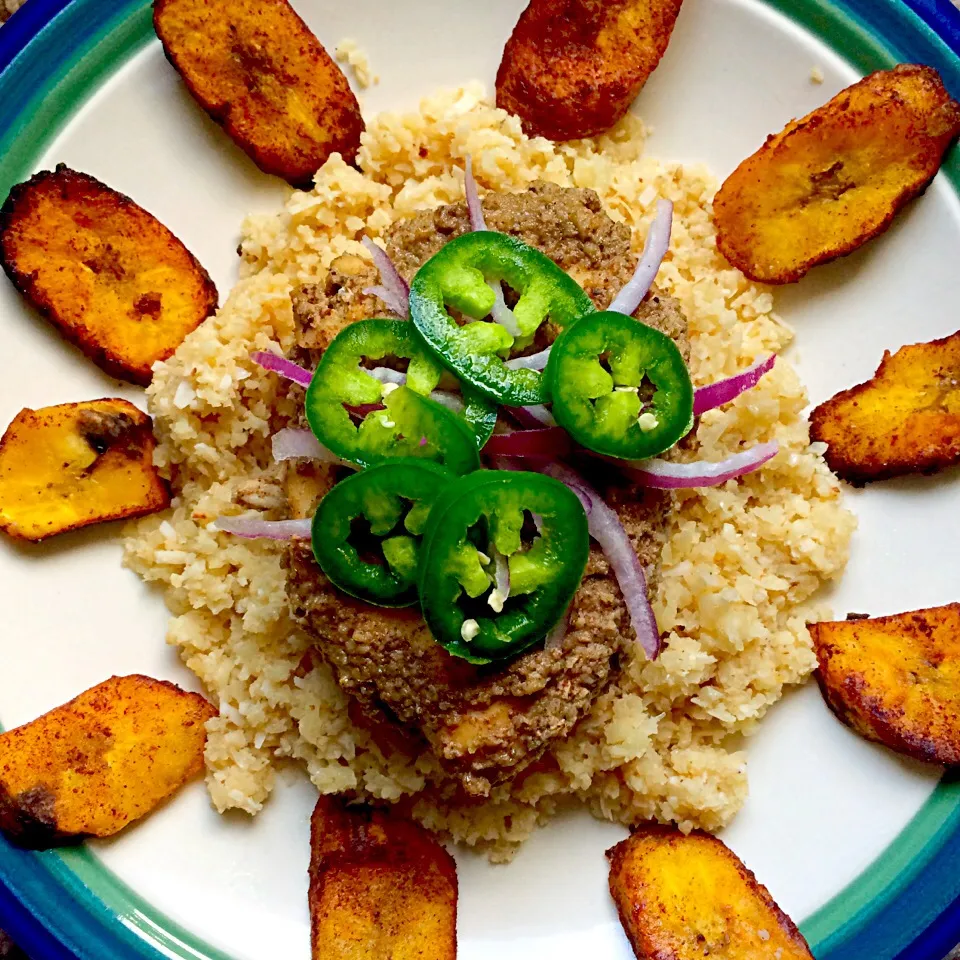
(823, 804)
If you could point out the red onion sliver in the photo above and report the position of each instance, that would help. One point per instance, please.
(257, 529)
(609, 532)
(292, 443)
(474, 207)
(283, 366)
(663, 475)
(501, 313)
(363, 409)
(654, 250)
(502, 576)
(446, 398)
(394, 303)
(544, 443)
(387, 375)
(393, 283)
(531, 417)
(723, 391)
(557, 633)
(535, 361)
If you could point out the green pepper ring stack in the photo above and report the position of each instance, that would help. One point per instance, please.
(470, 520)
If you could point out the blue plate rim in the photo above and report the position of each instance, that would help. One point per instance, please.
(98, 926)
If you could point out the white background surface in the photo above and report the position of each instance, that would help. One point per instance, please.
(823, 803)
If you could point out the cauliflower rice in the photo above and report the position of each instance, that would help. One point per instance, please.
(740, 569)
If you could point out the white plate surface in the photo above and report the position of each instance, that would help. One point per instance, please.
(823, 803)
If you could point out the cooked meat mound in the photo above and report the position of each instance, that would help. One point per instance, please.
(485, 724)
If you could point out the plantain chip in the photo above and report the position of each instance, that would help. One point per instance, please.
(76, 464)
(830, 182)
(260, 73)
(905, 420)
(97, 763)
(571, 68)
(379, 887)
(896, 680)
(688, 896)
(112, 278)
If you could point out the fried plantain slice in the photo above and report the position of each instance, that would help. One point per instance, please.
(379, 887)
(260, 73)
(571, 68)
(101, 761)
(108, 275)
(76, 464)
(905, 420)
(688, 896)
(896, 680)
(828, 183)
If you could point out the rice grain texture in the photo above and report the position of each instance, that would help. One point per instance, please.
(740, 569)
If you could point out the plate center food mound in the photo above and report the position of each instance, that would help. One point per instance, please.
(822, 804)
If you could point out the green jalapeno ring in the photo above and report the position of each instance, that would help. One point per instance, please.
(544, 577)
(378, 494)
(601, 408)
(409, 417)
(457, 275)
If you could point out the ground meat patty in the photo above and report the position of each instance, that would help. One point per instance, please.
(484, 723)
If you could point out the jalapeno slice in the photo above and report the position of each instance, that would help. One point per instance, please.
(403, 420)
(620, 387)
(533, 522)
(379, 513)
(458, 276)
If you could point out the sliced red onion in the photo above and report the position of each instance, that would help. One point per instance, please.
(363, 409)
(393, 291)
(387, 375)
(544, 443)
(531, 417)
(501, 576)
(292, 443)
(283, 366)
(723, 391)
(535, 361)
(557, 633)
(608, 531)
(501, 313)
(257, 529)
(474, 207)
(654, 250)
(395, 305)
(663, 475)
(446, 398)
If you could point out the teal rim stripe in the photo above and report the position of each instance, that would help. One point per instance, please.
(75, 46)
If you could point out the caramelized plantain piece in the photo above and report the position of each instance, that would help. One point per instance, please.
(260, 73)
(896, 680)
(379, 887)
(830, 182)
(688, 896)
(571, 68)
(905, 420)
(104, 759)
(108, 275)
(75, 464)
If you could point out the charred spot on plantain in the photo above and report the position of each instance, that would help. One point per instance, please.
(107, 262)
(828, 184)
(148, 305)
(40, 803)
(103, 430)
